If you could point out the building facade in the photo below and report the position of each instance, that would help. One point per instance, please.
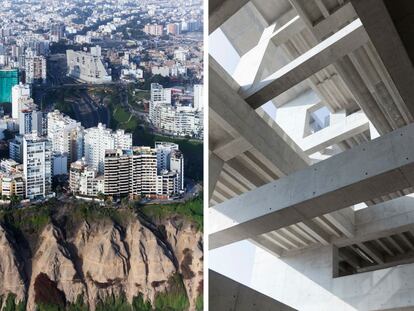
(20, 92)
(131, 172)
(178, 119)
(66, 136)
(87, 67)
(37, 166)
(35, 69)
(84, 179)
(98, 139)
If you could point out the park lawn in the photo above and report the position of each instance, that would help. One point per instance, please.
(121, 115)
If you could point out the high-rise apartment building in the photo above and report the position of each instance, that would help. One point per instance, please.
(177, 166)
(177, 119)
(170, 158)
(173, 29)
(31, 120)
(98, 139)
(131, 172)
(198, 97)
(66, 135)
(167, 183)
(84, 179)
(57, 32)
(16, 149)
(35, 67)
(37, 166)
(164, 150)
(159, 94)
(20, 93)
(153, 29)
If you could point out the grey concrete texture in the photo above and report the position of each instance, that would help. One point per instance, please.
(368, 171)
(228, 295)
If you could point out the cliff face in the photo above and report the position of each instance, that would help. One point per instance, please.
(103, 259)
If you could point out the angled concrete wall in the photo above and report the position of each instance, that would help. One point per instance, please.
(228, 295)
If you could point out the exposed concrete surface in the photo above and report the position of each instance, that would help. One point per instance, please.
(228, 295)
(354, 176)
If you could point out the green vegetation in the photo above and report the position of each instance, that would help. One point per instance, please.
(124, 119)
(141, 94)
(26, 223)
(190, 210)
(165, 81)
(92, 212)
(28, 220)
(199, 303)
(78, 305)
(65, 108)
(49, 307)
(12, 305)
(112, 303)
(138, 304)
(175, 298)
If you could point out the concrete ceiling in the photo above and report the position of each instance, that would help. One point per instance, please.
(374, 78)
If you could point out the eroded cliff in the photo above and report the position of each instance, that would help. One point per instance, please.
(83, 261)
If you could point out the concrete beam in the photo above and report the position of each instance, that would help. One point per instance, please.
(352, 125)
(351, 177)
(373, 254)
(232, 149)
(325, 53)
(387, 42)
(334, 21)
(220, 11)
(214, 168)
(235, 115)
(315, 231)
(380, 220)
(343, 220)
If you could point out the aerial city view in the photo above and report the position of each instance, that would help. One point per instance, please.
(101, 155)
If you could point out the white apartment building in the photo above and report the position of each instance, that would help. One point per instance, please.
(84, 179)
(135, 171)
(176, 119)
(98, 139)
(11, 178)
(87, 67)
(170, 158)
(198, 97)
(19, 92)
(66, 135)
(177, 166)
(167, 183)
(164, 150)
(131, 172)
(159, 94)
(37, 166)
(35, 67)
